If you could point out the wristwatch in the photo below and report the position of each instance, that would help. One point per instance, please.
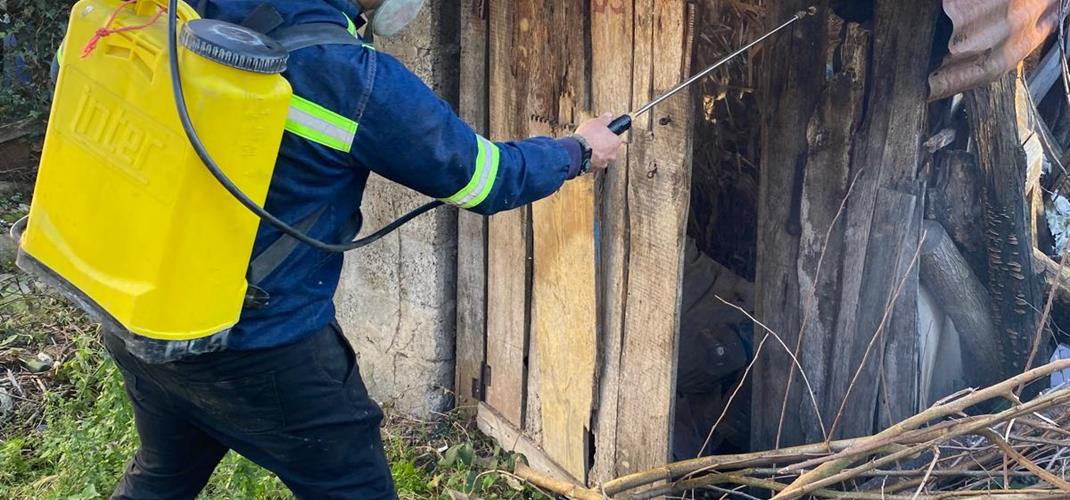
(585, 162)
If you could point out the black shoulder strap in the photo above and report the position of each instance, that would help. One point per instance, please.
(275, 254)
(266, 19)
(300, 36)
(263, 19)
(272, 257)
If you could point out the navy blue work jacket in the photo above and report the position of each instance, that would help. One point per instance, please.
(377, 116)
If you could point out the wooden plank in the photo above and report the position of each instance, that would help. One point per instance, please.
(507, 253)
(471, 227)
(611, 29)
(791, 89)
(533, 385)
(562, 363)
(564, 321)
(537, 114)
(658, 197)
(507, 313)
(881, 240)
(898, 366)
(511, 439)
(826, 180)
(1044, 76)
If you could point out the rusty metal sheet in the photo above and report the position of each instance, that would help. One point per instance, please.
(990, 38)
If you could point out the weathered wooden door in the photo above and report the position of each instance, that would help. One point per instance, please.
(581, 289)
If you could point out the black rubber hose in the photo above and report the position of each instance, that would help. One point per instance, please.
(235, 191)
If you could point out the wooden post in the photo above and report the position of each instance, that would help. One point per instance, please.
(659, 174)
(1016, 297)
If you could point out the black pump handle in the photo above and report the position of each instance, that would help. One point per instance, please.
(621, 124)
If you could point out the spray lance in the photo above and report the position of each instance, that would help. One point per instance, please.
(618, 126)
(623, 123)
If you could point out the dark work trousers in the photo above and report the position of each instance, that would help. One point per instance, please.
(300, 411)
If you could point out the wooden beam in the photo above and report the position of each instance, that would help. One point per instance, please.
(471, 227)
(510, 438)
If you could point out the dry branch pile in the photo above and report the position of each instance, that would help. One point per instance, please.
(1022, 451)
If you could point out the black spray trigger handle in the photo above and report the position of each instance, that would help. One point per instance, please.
(621, 124)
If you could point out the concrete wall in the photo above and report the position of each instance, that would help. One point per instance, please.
(397, 298)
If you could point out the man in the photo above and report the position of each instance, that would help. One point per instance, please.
(283, 388)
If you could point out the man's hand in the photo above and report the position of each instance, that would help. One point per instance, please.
(604, 143)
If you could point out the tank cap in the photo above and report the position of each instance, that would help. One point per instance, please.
(234, 45)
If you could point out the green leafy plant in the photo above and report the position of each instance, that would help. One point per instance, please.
(449, 461)
(31, 31)
(88, 436)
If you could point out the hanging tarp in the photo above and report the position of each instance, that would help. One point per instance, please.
(990, 38)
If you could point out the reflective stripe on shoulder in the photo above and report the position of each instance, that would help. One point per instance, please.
(482, 182)
(320, 125)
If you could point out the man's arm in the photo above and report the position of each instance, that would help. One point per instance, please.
(410, 136)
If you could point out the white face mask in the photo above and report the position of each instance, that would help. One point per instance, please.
(392, 16)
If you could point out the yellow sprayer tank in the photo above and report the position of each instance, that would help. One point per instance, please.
(124, 213)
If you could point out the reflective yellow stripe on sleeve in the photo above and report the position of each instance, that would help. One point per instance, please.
(482, 181)
(320, 125)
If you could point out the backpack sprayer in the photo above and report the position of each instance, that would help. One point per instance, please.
(127, 219)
